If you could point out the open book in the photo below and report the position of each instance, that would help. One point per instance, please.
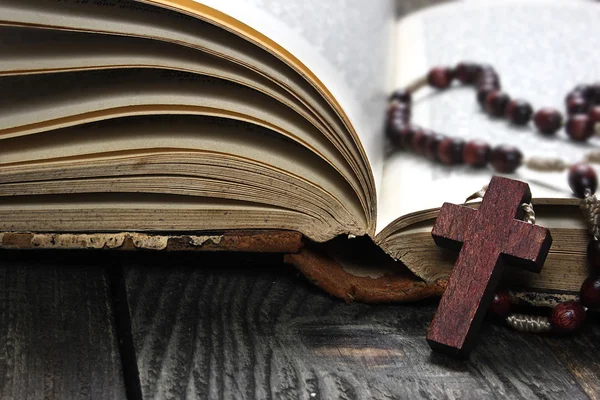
(208, 115)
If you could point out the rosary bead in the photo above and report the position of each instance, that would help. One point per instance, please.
(587, 91)
(548, 120)
(519, 112)
(506, 159)
(496, 103)
(466, 72)
(476, 153)
(594, 94)
(488, 75)
(579, 127)
(488, 80)
(567, 316)
(486, 69)
(577, 105)
(402, 136)
(500, 304)
(393, 131)
(432, 144)
(403, 96)
(594, 116)
(450, 151)
(399, 111)
(582, 177)
(589, 296)
(482, 92)
(593, 254)
(406, 136)
(419, 141)
(440, 77)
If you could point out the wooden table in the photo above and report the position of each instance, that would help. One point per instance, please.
(148, 325)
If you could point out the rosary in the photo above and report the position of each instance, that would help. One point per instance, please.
(459, 314)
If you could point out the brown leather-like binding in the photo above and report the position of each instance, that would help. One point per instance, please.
(260, 241)
(331, 277)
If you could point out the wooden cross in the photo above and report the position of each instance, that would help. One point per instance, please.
(486, 238)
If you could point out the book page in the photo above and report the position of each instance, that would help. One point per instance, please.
(541, 49)
(291, 60)
(184, 155)
(346, 45)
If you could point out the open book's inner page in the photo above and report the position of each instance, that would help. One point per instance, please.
(348, 68)
(541, 49)
(347, 44)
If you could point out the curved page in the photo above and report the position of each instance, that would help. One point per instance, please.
(183, 155)
(134, 19)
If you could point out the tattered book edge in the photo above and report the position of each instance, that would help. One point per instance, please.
(260, 241)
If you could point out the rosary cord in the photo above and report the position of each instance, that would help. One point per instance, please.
(590, 208)
(547, 164)
(529, 213)
(529, 323)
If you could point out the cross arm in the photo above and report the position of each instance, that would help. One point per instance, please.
(527, 245)
(451, 225)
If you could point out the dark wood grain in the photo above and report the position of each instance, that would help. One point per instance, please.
(217, 328)
(486, 238)
(57, 338)
(581, 354)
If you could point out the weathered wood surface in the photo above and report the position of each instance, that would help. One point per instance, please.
(486, 238)
(243, 331)
(57, 338)
(581, 355)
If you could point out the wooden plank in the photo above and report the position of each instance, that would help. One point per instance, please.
(57, 337)
(251, 331)
(581, 354)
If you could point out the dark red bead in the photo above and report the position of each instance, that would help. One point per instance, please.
(593, 254)
(476, 153)
(482, 93)
(519, 112)
(594, 116)
(500, 304)
(582, 177)
(488, 80)
(589, 295)
(506, 159)
(567, 316)
(594, 94)
(577, 105)
(419, 141)
(496, 103)
(407, 136)
(399, 111)
(401, 95)
(403, 136)
(579, 128)
(548, 120)
(466, 72)
(487, 75)
(393, 131)
(450, 151)
(440, 77)
(487, 69)
(431, 147)
(576, 92)
(587, 91)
